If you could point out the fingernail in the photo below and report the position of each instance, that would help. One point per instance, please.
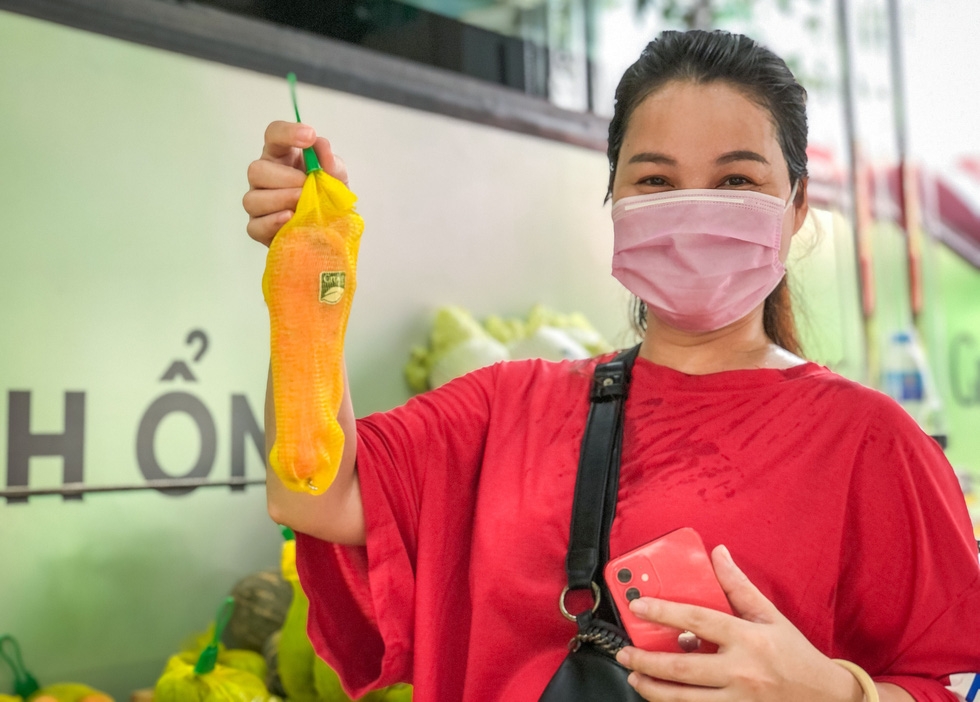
(639, 606)
(306, 134)
(727, 556)
(633, 679)
(623, 657)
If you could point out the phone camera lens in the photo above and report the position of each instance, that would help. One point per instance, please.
(632, 594)
(624, 575)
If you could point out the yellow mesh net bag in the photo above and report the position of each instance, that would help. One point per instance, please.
(308, 284)
(201, 678)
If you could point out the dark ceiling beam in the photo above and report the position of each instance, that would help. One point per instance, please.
(216, 35)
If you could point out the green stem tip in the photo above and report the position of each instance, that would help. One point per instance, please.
(309, 155)
(209, 656)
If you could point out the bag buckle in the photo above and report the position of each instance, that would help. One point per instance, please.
(596, 595)
(608, 382)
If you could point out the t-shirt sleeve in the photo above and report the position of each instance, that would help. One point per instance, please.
(908, 599)
(403, 459)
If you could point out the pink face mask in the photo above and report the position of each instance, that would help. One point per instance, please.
(699, 259)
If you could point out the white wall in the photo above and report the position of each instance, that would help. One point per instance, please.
(940, 53)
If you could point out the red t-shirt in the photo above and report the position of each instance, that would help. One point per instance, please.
(827, 494)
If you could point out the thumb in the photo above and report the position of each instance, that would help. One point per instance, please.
(746, 599)
(329, 161)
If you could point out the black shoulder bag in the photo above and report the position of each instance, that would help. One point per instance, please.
(590, 671)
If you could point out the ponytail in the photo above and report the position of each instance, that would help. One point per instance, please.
(778, 320)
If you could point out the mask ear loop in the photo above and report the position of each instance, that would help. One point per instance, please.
(792, 195)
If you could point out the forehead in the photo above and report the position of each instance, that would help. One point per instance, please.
(693, 122)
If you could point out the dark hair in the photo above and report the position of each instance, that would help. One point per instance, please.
(705, 57)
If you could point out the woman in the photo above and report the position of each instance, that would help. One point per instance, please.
(439, 560)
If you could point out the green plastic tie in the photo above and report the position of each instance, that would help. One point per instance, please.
(287, 533)
(24, 683)
(209, 656)
(309, 155)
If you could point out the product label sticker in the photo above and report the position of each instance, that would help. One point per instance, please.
(332, 284)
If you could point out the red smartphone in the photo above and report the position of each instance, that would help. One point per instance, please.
(674, 567)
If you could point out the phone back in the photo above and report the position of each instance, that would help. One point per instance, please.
(674, 567)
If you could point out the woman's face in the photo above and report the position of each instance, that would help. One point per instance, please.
(705, 136)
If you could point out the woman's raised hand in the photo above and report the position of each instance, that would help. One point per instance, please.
(275, 182)
(761, 655)
(276, 179)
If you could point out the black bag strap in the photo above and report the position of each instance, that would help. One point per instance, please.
(597, 483)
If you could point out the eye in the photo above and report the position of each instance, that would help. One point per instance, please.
(735, 181)
(653, 181)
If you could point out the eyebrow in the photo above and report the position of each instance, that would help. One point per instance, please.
(733, 156)
(652, 157)
(730, 157)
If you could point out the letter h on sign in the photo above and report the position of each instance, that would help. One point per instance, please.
(22, 444)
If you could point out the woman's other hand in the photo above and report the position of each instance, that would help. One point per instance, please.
(761, 655)
(276, 179)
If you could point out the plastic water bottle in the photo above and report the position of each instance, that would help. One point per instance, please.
(906, 378)
(902, 374)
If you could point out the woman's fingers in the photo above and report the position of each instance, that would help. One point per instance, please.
(284, 144)
(283, 138)
(263, 229)
(329, 161)
(700, 669)
(259, 203)
(663, 691)
(708, 624)
(746, 599)
(272, 174)
(276, 179)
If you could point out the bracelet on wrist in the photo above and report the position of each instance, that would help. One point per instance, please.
(861, 675)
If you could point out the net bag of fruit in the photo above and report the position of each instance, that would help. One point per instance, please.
(308, 285)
